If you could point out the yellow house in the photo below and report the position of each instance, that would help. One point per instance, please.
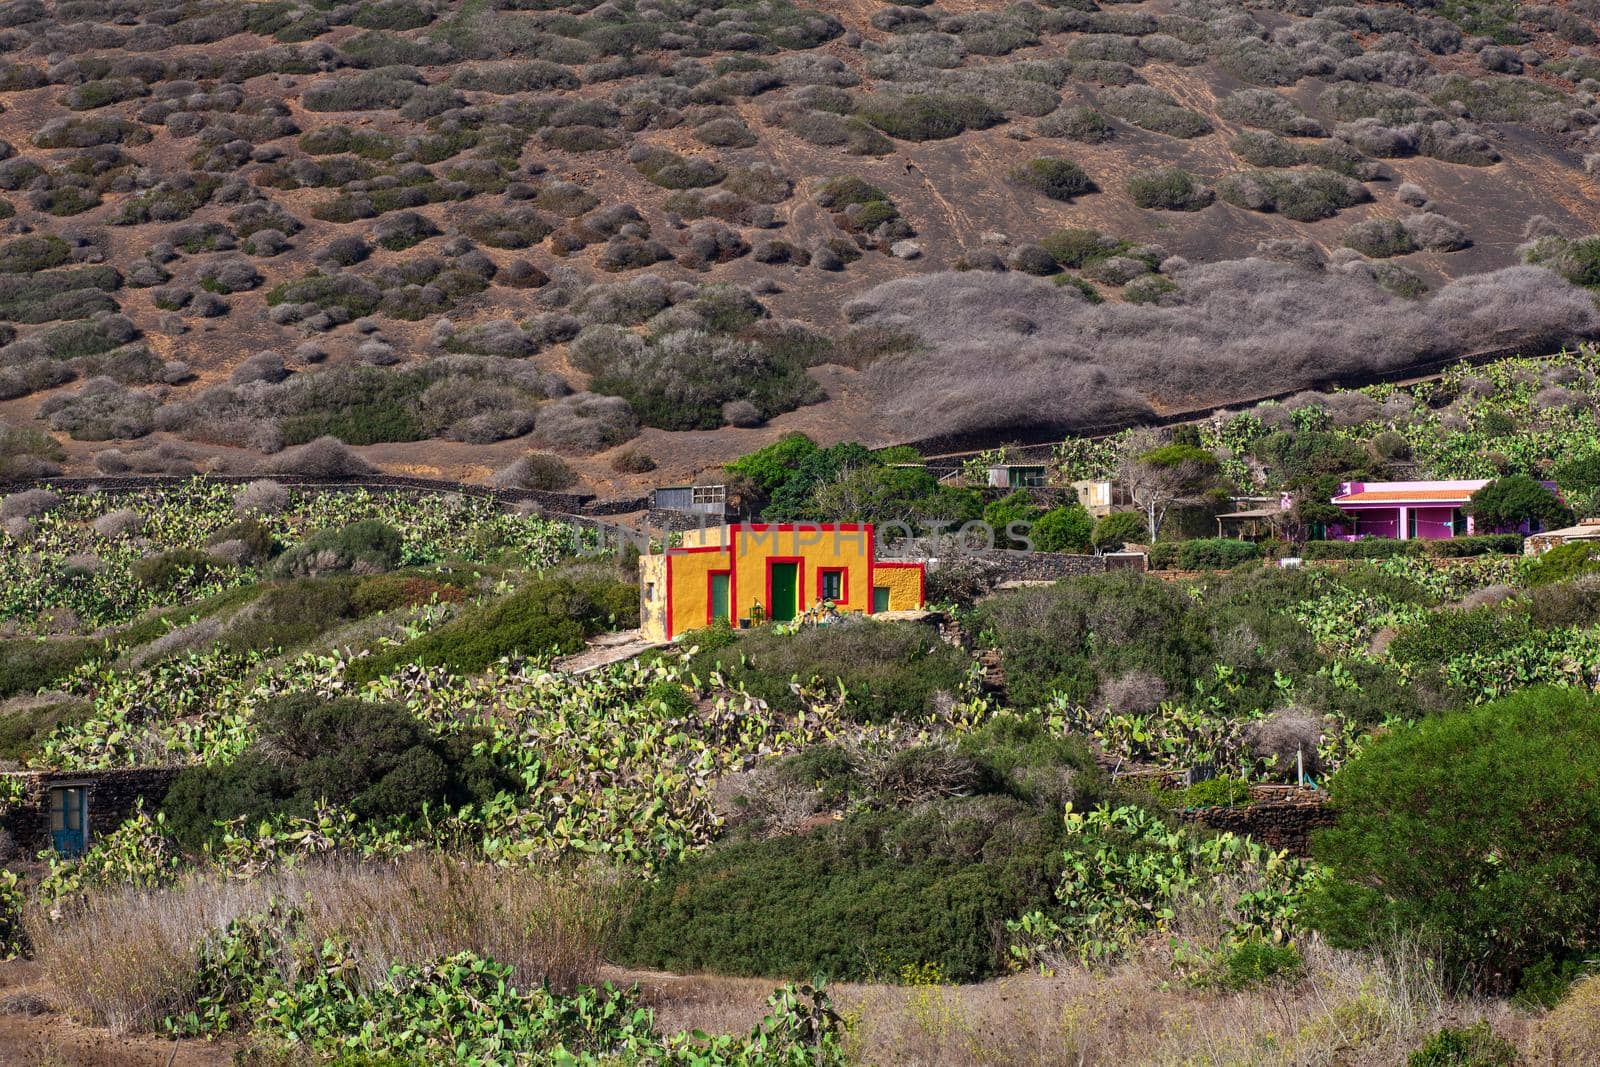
(774, 571)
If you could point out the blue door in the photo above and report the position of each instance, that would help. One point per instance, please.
(69, 818)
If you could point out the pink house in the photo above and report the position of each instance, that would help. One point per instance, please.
(1405, 510)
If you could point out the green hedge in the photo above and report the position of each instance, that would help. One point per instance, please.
(1203, 554)
(1366, 548)
(1476, 545)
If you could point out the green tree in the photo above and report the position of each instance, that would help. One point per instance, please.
(891, 494)
(768, 468)
(1581, 475)
(1507, 503)
(1168, 476)
(1477, 827)
(1117, 529)
(1313, 501)
(1015, 507)
(1064, 529)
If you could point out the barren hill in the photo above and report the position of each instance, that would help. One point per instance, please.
(449, 233)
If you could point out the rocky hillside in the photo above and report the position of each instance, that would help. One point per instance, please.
(662, 231)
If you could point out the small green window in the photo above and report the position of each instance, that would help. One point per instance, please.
(833, 585)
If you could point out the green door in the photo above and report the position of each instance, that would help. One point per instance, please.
(719, 598)
(880, 598)
(784, 580)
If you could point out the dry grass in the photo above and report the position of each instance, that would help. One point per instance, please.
(1347, 1010)
(126, 959)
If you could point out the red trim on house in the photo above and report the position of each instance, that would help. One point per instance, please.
(666, 570)
(799, 583)
(844, 583)
(733, 579)
(872, 563)
(711, 605)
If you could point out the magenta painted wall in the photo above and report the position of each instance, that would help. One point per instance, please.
(1376, 522)
(1435, 524)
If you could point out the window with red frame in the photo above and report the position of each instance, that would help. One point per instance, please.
(831, 584)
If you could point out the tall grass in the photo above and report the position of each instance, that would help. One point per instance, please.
(126, 959)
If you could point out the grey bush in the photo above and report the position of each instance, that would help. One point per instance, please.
(326, 457)
(1435, 232)
(1151, 109)
(118, 523)
(261, 497)
(585, 423)
(28, 504)
(537, 470)
(1379, 238)
(1083, 365)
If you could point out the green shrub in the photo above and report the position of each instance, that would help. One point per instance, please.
(1078, 123)
(1470, 1046)
(369, 545)
(864, 899)
(888, 670)
(1216, 553)
(1055, 638)
(1078, 247)
(26, 666)
(1118, 529)
(1477, 828)
(553, 613)
(166, 571)
(1517, 500)
(1151, 109)
(1256, 961)
(1452, 632)
(1169, 189)
(25, 255)
(1476, 545)
(1366, 548)
(376, 759)
(1562, 563)
(1302, 195)
(847, 189)
(24, 728)
(289, 615)
(259, 541)
(1148, 289)
(1063, 529)
(1058, 179)
(1379, 238)
(1215, 793)
(929, 116)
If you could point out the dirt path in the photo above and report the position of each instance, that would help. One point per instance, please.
(32, 1032)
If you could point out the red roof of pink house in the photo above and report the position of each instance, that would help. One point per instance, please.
(1453, 492)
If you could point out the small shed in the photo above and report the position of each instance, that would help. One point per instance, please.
(708, 500)
(1018, 476)
(1101, 496)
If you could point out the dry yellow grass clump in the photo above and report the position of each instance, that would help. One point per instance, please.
(126, 959)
